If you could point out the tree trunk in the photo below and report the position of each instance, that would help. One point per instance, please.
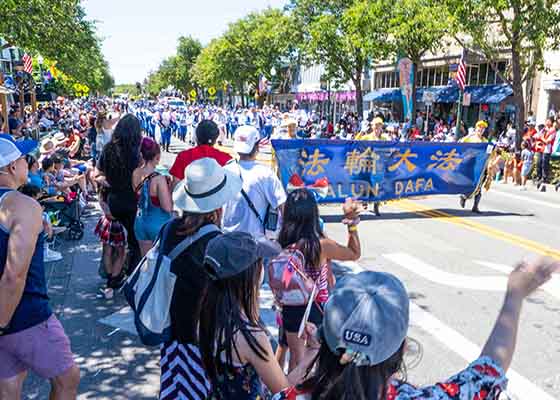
(357, 80)
(518, 95)
(242, 91)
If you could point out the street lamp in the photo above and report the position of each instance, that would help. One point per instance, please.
(272, 71)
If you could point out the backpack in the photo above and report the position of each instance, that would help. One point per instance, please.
(149, 289)
(287, 279)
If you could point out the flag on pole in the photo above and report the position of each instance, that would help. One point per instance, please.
(462, 73)
(27, 63)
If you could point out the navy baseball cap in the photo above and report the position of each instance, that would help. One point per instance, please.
(366, 316)
(11, 150)
(232, 253)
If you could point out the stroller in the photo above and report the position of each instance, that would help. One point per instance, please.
(66, 211)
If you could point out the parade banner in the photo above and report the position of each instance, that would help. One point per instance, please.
(379, 171)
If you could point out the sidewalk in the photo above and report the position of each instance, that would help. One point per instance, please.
(113, 365)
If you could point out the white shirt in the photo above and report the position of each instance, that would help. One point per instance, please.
(264, 189)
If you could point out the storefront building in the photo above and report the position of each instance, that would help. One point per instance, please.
(490, 98)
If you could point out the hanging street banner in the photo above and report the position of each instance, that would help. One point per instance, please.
(405, 67)
(379, 171)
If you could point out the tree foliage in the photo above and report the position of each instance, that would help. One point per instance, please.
(343, 35)
(419, 27)
(519, 30)
(175, 71)
(59, 30)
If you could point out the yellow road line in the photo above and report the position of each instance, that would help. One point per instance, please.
(480, 228)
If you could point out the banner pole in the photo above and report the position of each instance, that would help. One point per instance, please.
(459, 116)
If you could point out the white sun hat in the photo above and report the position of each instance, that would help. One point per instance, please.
(207, 187)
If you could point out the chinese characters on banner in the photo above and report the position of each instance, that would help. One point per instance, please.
(377, 171)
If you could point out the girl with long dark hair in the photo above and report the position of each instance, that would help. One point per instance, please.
(236, 350)
(363, 343)
(301, 232)
(119, 158)
(200, 196)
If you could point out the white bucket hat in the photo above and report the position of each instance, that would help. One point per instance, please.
(207, 187)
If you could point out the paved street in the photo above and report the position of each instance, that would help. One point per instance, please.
(453, 263)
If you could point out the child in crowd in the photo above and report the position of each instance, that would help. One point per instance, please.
(49, 178)
(66, 179)
(34, 176)
(508, 167)
(527, 159)
(113, 237)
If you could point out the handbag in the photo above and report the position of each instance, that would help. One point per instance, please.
(149, 289)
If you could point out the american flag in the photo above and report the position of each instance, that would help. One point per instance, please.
(462, 73)
(27, 63)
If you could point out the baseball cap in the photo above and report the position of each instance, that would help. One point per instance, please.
(245, 138)
(11, 150)
(232, 253)
(367, 317)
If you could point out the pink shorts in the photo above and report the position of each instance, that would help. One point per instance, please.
(43, 349)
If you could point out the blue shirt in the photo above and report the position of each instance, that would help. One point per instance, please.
(33, 307)
(35, 179)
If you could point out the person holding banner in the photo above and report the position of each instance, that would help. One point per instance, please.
(477, 136)
(375, 133)
(302, 238)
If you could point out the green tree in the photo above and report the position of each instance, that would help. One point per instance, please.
(59, 30)
(418, 27)
(518, 30)
(188, 50)
(344, 36)
(249, 48)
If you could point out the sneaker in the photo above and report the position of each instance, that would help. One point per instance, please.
(523, 188)
(51, 255)
(462, 201)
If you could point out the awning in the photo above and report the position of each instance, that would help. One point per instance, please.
(383, 95)
(489, 94)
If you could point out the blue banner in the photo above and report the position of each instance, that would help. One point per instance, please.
(378, 171)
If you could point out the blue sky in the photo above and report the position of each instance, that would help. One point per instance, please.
(138, 34)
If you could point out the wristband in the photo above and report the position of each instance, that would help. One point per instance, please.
(351, 222)
(352, 228)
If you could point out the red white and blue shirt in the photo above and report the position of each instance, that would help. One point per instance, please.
(484, 379)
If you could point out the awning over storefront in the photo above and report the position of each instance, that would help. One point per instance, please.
(487, 94)
(383, 95)
(492, 94)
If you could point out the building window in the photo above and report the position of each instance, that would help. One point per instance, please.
(491, 76)
(473, 75)
(424, 79)
(483, 74)
(502, 66)
(397, 81)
